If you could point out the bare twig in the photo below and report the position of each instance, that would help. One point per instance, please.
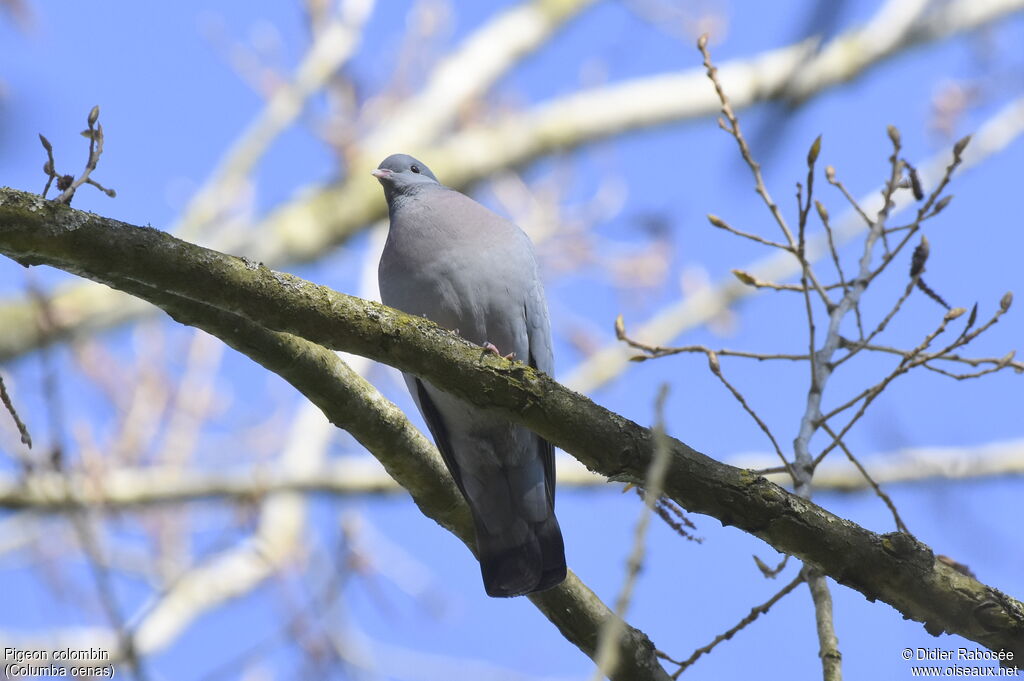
(854, 348)
(820, 370)
(911, 359)
(716, 369)
(26, 438)
(820, 358)
(722, 224)
(733, 128)
(754, 613)
(900, 525)
(67, 183)
(609, 362)
(653, 351)
(751, 280)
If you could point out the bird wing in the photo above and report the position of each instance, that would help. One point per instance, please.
(437, 426)
(541, 357)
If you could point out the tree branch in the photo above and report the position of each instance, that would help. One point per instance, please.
(894, 568)
(352, 403)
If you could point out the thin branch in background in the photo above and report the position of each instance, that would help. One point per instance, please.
(805, 268)
(49, 168)
(900, 525)
(750, 280)
(334, 42)
(26, 438)
(820, 359)
(916, 356)
(607, 654)
(78, 512)
(932, 206)
(733, 128)
(47, 327)
(1002, 364)
(911, 359)
(134, 487)
(319, 592)
(854, 348)
(722, 224)
(834, 252)
(68, 184)
(100, 572)
(716, 369)
(609, 362)
(655, 351)
(754, 613)
(868, 395)
(895, 182)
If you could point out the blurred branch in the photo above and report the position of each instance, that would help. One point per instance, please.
(331, 48)
(468, 72)
(121, 488)
(237, 571)
(608, 655)
(196, 283)
(26, 438)
(589, 115)
(305, 227)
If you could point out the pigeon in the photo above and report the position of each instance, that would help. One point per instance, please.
(453, 261)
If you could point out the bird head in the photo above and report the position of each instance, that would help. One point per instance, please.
(399, 173)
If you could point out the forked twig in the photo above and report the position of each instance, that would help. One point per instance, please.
(69, 184)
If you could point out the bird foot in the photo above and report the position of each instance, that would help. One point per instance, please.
(491, 348)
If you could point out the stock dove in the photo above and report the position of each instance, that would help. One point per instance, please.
(452, 260)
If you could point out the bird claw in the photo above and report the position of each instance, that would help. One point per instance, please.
(492, 348)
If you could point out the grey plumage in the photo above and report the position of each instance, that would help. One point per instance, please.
(452, 260)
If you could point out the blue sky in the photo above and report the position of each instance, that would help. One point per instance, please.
(171, 106)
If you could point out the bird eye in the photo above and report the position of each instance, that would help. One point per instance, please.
(415, 168)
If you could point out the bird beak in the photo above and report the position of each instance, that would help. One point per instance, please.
(382, 173)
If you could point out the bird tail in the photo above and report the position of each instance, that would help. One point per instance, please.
(514, 564)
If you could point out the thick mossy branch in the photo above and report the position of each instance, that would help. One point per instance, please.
(893, 568)
(353, 404)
